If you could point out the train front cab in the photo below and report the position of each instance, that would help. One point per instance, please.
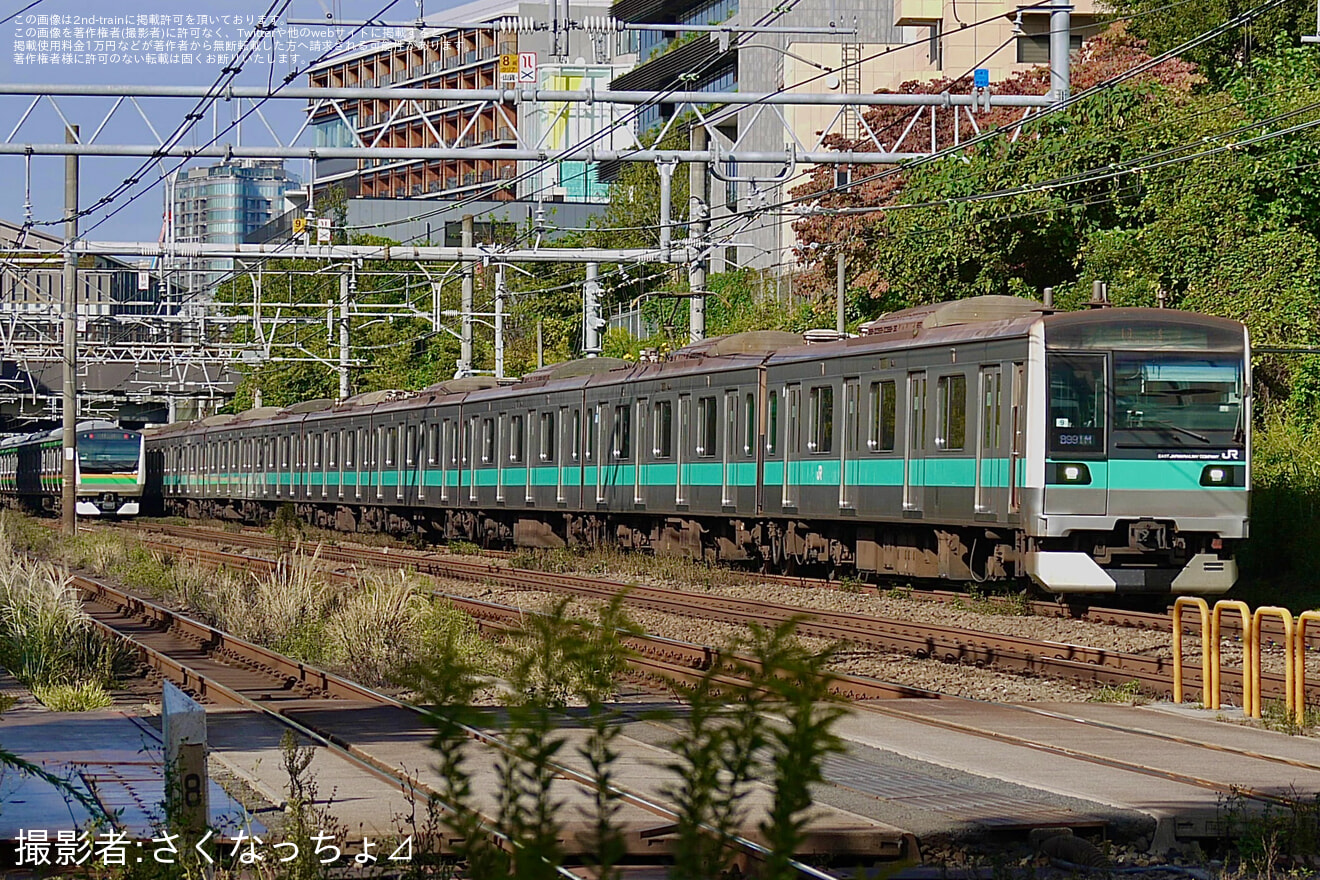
(110, 472)
(1142, 452)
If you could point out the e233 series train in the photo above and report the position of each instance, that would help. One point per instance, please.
(1091, 452)
(108, 470)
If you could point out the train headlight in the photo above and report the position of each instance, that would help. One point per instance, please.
(1069, 474)
(1223, 475)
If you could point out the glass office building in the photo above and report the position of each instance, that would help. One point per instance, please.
(220, 204)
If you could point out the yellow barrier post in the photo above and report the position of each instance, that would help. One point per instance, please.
(1300, 653)
(1179, 604)
(1216, 666)
(1258, 645)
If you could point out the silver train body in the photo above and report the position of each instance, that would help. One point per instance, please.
(985, 439)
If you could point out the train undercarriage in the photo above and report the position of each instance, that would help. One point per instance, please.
(1137, 557)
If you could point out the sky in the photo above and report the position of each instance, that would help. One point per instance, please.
(27, 40)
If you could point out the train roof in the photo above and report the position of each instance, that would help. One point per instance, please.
(956, 321)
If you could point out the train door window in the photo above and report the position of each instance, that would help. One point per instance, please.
(991, 406)
(391, 446)
(433, 443)
(621, 438)
(516, 438)
(684, 416)
(917, 411)
(487, 441)
(382, 456)
(547, 436)
(951, 412)
(883, 416)
(593, 431)
(749, 424)
(707, 426)
(576, 442)
(663, 426)
(772, 424)
(410, 445)
(820, 415)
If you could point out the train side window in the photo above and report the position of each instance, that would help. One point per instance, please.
(316, 450)
(820, 412)
(593, 428)
(772, 424)
(884, 411)
(749, 424)
(707, 425)
(547, 436)
(333, 452)
(284, 452)
(951, 412)
(663, 421)
(487, 441)
(621, 438)
(410, 446)
(433, 443)
(516, 437)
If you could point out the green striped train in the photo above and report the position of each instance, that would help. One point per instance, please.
(110, 478)
(984, 439)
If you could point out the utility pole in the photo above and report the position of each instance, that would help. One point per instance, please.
(347, 293)
(465, 306)
(591, 321)
(840, 298)
(697, 213)
(499, 322)
(69, 416)
(1060, 49)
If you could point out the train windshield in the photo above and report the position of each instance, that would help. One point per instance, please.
(1077, 403)
(1163, 399)
(108, 452)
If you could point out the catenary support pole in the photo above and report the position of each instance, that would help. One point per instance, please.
(841, 297)
(591, 321)
(469, 271)
(499, 322)
(540, 344)
(1060, 49)
(697, 213)
(347, 291)
(69, 414)
(666, 170)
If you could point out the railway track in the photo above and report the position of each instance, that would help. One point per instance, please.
(952, 644)
(221, 669)
(1158, 621)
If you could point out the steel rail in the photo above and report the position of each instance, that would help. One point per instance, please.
(258, 657)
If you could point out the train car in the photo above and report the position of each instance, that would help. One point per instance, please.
(982, 439)
(110, 477)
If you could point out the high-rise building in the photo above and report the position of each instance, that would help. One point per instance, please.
(222, 203)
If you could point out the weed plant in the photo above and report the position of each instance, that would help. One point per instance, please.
(1129, 692)
(46, 640)
(637, 567)
(80, 697)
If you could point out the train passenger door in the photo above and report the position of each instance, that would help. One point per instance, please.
(1017, 437)
(914, 447)
(848, 463)
(792, 444)
(680, 450)
(991, 470)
